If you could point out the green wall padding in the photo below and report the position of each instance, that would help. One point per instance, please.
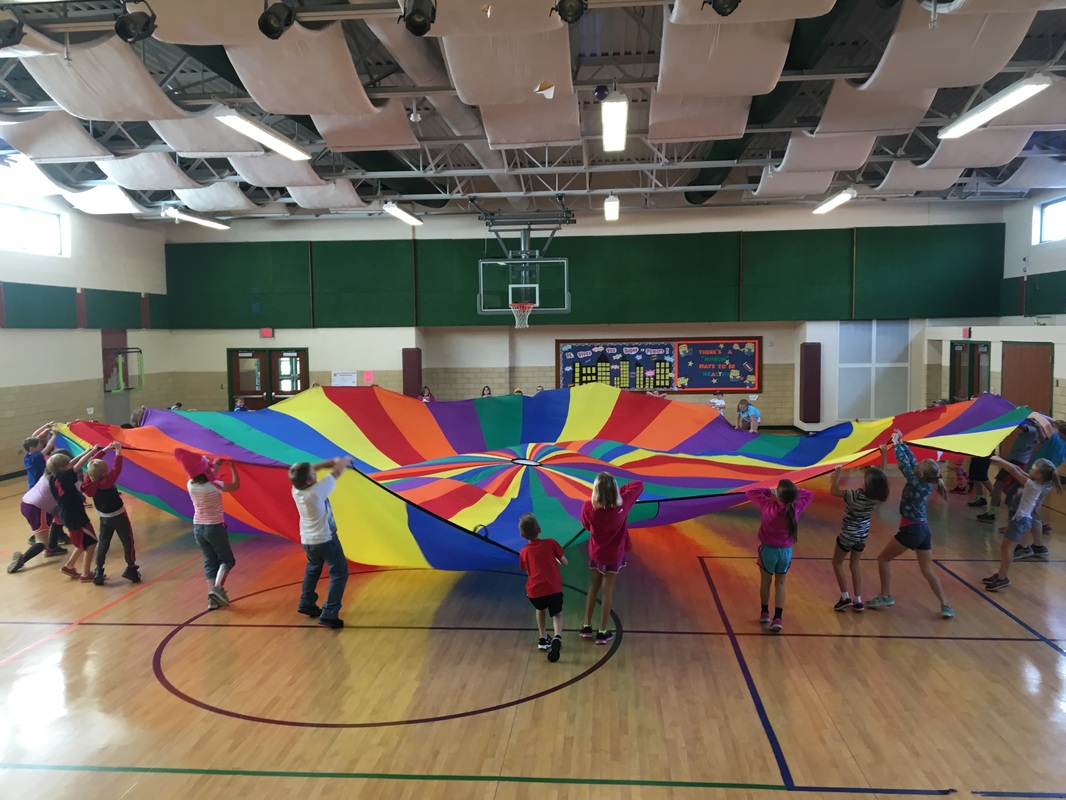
(108, 309)
(363, 284)
(1045, 293)
(941, 271)
(158, 312)
(1010, 297)
(29, 306)
(797, 275)
(448, 281)
(239, 285)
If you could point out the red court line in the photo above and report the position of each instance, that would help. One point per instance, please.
(92, 614)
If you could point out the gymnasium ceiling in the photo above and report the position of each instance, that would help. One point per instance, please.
(784, 101)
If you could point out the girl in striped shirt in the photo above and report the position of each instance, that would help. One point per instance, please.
(859, 506)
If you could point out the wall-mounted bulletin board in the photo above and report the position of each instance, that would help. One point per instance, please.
(688, 365)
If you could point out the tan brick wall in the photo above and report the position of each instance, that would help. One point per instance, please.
(934, 388)
(26, 408)
(1058, 398)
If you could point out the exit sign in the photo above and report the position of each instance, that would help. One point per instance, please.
(266, 333)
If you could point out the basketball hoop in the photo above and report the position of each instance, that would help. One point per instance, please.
(521, 313)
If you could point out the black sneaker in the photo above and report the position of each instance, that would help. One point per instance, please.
(604, 637)
(132, 573)
(997, 584)
(63, 540)
(544, 643)
(310, 611)
(99, 577)
(990, 579)
(58, 551)
(1021, 553)
(980, 501)
(556, 648)
(986, 517)
(1040, 553)
(586, 632)
(842, 604)
(331, 622)
(857, 606)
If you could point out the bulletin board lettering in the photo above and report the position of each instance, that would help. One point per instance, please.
(693, 365)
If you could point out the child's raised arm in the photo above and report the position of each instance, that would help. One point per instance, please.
(1019, 474)
(760, 497)
(86, 457)
(630, 492)
(834, 487)
(884, 457)
(234, 482)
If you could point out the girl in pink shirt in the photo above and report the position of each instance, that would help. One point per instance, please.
(778, 531)
(604, 517)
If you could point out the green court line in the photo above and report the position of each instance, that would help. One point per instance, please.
(378, 776)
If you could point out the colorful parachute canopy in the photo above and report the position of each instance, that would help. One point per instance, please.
(443, 485)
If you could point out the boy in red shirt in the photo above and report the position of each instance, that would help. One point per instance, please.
(544, 586)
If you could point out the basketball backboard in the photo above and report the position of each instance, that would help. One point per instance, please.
(543, 281)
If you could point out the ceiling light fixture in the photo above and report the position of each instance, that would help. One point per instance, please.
(723, 7)
(999, 103)
(419, 15)
(614, 115)
(262, 134)
(570, 11)
(11, 31)
(611, 206)
(836, 201)
(276, 19)
(135, 25)
(178, 215)
(394, 210)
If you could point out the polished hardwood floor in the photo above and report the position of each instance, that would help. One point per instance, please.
(435, 688)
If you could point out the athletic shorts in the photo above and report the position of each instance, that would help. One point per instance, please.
(82, 537)
(552, 602)
(851, 545)
(979, 469)
(605, 568)
(1017, 527)
(775, 560)
(915, 536)
(39, 521)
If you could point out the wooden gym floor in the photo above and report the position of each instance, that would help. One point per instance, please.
(435, 688)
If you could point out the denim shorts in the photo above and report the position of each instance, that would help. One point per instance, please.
(775, 560)
(1017, 527)
(916, 536)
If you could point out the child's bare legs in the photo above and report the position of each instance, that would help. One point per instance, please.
(87, 561)
(925, 561)
(764, 586)
(594, 590)
(75, 554)
(779, 591)
(1037, 531)
(983, 488)
(893, 550)
(838, 570)
(540, 621)
(856, 573)
(608, 597)
(1006, 557)
(557, 624)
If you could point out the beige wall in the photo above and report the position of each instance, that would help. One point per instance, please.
(26, 408)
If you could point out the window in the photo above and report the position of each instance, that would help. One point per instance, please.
(1053, 221)
(30, 231)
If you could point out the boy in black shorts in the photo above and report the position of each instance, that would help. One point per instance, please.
(544, 586)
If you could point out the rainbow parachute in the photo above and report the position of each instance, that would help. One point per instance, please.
(442, 485)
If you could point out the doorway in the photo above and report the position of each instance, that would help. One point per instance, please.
(971, 364)
(1028, 371)
(265, 377)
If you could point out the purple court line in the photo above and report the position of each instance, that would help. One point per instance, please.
(786, 775)
(157, 668)
(946, 560)
(760, 709)
(1035, 795)
(985, 596)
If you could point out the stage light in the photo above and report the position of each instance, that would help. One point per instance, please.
(419, 16)
(276, 19)
(11, 31)
(135, 25)
(600, 92)
(571, 11)
(999, 103)
(723, 7)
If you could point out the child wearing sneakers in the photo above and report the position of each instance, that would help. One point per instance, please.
(70, 507)
(778, 532)
(859, 506)
(540, 559)
(318, 535)
(209, 520)
(1035, 487)
(605, 517)
(914, 533)
(1029, 436)
(99, 484)
(38, 507)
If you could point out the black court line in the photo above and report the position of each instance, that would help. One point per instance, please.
(985, 596)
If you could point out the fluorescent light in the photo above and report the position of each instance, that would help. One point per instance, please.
(261, 133)
(835, 201)
(614, 113)
(185, 216)
(393, 209)
(999, 103)
(610, 207)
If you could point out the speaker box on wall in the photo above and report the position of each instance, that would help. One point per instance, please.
(412, 371)
(810, 382)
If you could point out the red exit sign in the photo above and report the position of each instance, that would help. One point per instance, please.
(268, 333)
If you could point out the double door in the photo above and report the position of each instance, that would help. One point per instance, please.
(265, 377)
(970, 369)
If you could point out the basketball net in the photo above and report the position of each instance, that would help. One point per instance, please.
(521, 313)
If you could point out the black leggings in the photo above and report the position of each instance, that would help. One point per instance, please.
(109, 526)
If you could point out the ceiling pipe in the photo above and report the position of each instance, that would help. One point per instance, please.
(423, 65)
